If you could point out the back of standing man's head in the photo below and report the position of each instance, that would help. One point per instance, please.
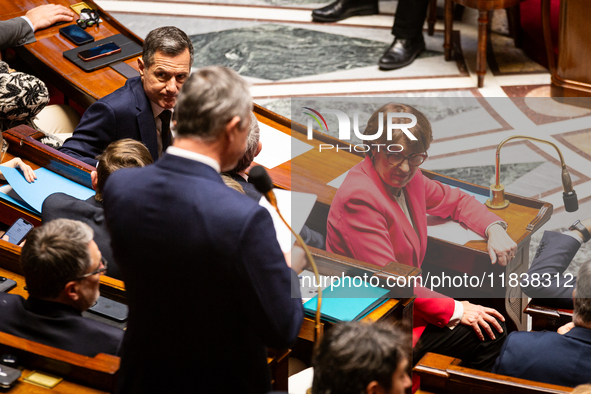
(357, 358)
(169, 40)
(209, 99)
(123, 153)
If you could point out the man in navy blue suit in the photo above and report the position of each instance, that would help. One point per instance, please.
(141, 109)
(207, 285)
(562, 358)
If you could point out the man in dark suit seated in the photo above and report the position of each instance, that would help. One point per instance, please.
(208, 287)
(142, 109)
(62, 267)
(355, 358)
(119, 154)
(545, 278)
(562, 358)
(253, 148)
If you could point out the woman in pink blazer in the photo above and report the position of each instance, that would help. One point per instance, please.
(378, 215)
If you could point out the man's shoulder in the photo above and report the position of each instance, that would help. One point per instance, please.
(10, 299)
(122, 97)
(61, 205)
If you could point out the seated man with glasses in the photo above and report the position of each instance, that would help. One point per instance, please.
(62, 267)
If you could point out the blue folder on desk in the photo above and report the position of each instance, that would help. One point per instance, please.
(347, 303)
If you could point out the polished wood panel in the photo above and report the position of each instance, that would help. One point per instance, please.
(443, 375)
(45, 55)
(571, 70)
(547, 318)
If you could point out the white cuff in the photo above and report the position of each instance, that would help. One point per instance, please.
(29, 22)
(457, 316)
(574, 235)
(499, 222)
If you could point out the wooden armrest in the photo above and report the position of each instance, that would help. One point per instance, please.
(99, 371)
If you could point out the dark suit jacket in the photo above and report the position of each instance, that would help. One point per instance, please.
(207, 284)
(57, 325)
(547, 357)
(15, 32)
(553, 256)
(125, 113)
(90, 211)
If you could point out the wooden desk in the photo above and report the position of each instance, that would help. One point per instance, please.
(546, 318)
(45, 55)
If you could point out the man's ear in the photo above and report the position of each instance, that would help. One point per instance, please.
(93, 179)
(259, 149)
(141, 66)
(374, 388)
(71, 290)
(233, 127)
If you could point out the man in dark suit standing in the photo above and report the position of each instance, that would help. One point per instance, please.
(207, 285)
(141, 109)
(562, 358)
(62, 267)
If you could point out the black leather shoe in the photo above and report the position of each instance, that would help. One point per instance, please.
(343, 9)
(401, 53)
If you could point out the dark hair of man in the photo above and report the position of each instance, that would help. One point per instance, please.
(55, 254)
(422, 130)
(582, 299)
(251, 146)
(352, 355)
(169, 40)
(123, 153)
(208, 100)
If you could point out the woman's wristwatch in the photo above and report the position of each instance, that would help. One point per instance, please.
(583, 230)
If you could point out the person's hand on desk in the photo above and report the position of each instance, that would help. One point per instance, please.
(478, 317)
(27, 171)
(48, 14)
(296, 259)
(501, 247)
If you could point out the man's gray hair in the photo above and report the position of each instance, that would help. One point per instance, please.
(55, 254)
(582, 300)
(209, 99)
(169, 40)
(252, 144)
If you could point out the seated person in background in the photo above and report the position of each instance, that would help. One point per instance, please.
(355, 358)
(19, 31)
(379, 214)
(140, 110)
(120, 154)
(562, 358)
(16, 162)
(62, 267)
(253, 148)
(545, 275)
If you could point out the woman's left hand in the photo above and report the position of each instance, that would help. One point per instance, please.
(27, 171)
(501, 247)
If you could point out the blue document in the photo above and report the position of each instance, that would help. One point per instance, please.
(47, 182)
(347, 303)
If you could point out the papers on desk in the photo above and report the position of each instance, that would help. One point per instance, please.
(307, 282)
(30, 196)
(451, 231)
(278, 147)
(295, 208)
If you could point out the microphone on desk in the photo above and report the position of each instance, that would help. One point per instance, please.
(262, 182)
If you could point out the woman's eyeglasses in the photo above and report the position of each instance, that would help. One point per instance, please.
(414, 159)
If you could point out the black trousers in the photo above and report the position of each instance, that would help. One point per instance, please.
(409, 19)
(463, 343)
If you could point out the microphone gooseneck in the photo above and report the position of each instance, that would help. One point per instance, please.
(262, 182)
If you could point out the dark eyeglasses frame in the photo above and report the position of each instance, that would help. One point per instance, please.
(97, 271)
(397, 156)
